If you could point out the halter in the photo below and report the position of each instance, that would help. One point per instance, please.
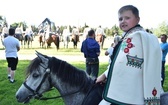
(35, 92)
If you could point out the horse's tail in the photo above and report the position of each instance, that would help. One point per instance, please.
(57, 42)
(26, 38)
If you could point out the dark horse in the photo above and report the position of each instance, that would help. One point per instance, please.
(75, 40)
(28, 41)
(19, 37)
(75, 86)
(100, 39)
(52, 38)
(41, 41)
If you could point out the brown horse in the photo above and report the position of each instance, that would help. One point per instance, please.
(41, 40)
(100, 39)
(52, 38)
(75, 40)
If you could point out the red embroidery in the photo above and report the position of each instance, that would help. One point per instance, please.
(128, 40)
(154, 92)
(126, 50)
(129, 45)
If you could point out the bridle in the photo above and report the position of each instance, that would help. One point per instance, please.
(47, 73)
(35, 92)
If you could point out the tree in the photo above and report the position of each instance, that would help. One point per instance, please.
(14, 25)
(161, 29)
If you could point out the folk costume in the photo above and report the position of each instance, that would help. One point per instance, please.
(135, 71)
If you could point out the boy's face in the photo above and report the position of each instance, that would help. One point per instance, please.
(127, 20)
(163, 39)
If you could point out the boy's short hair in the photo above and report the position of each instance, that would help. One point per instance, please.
(11, 31)
(164, 35)
(91, 32)
(132, 8)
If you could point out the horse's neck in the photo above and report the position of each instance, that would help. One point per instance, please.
(73, 94)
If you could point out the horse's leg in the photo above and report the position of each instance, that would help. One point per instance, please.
(102, 43)
(67, 45)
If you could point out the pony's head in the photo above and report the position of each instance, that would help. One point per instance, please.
(37, 81)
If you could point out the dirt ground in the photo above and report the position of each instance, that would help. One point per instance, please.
(35, 46)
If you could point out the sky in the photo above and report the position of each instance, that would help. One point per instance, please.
(79, 12)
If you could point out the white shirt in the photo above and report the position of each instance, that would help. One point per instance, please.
(65, 32)
(5, 30)
(28, 32)
(99, 31)
(75, 31)
(18, 31)
(85, 32)
(11, 44)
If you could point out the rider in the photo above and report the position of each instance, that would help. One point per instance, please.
(5, 31)
(29, 32)
(85, 32)
(75, 32)
(47, 32)
(18, 31)
(100, 31)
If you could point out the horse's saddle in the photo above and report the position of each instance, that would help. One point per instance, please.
(94, 95)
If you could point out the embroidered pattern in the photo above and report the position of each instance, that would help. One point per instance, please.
(153, 100)
(127, 45)
(134, 61)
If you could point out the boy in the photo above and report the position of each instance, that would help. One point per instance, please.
(12, 46)
(134, 75)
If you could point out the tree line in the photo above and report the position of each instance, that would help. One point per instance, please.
(162, 28)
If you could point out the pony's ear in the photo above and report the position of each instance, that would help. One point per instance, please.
(41, 56)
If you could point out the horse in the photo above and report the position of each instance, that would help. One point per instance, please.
(41, 40)
(75, 40)
(75, 86)
(19, 37)
(28, 40)
(100, 39)
(66, 40)
(53, 38)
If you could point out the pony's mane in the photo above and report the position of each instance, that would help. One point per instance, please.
(70, 74)
(34, 65)
(64, 71)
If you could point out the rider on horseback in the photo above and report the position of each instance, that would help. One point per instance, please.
(29, 32)
(100, 31)
(5, 31)
(18, 30)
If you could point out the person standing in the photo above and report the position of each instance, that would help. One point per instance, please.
(164, 47)
(135, 71)
(12, 46)
(109, 51)
(91, 50)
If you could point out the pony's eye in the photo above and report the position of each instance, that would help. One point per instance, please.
(35, 75)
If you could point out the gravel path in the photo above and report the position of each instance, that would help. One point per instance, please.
(62, 57)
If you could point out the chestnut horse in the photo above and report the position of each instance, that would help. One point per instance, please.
(52, 38)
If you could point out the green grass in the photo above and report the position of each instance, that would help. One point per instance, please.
(8, 90)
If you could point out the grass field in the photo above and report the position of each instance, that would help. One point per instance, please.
(8, 90)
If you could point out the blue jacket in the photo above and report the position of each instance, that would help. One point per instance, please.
(90, 48)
